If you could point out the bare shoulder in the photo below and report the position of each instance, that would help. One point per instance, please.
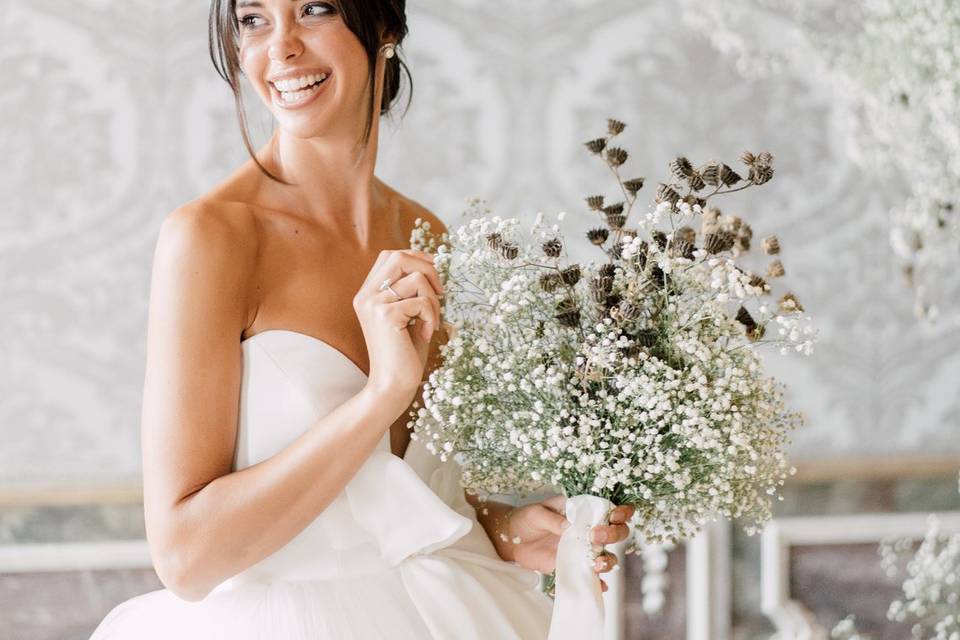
(210, 222)
(208, 247)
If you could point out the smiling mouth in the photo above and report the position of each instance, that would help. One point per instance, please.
(299, 95)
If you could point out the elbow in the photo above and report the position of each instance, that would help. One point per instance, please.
(180, 576)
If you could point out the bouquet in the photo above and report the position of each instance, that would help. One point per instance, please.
(631, 380)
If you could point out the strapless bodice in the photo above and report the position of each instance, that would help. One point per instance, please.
(397, 555)
(391, 509)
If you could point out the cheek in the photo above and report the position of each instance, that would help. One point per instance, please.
(251, 62)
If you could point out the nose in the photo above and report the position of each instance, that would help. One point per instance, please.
(285, 44)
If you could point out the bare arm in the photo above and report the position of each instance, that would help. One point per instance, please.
(205, 523)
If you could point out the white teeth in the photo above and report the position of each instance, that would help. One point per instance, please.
(294, 97)
(293, 84)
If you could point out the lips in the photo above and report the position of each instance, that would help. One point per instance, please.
(302, 95)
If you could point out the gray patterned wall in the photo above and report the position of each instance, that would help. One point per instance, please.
(111, 116)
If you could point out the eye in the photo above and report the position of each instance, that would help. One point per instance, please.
(248, 21)
(322, 8)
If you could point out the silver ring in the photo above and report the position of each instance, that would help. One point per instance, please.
(386, 287)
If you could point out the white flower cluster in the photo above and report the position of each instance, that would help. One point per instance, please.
(896, 67)
(931, 591)
(629, 379)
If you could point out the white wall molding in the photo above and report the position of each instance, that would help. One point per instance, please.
(708, 583)
(792, 620)
(75, 556)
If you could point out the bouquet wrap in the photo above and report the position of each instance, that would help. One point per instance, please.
(578, 604)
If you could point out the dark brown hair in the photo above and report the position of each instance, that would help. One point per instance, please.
(365, 18)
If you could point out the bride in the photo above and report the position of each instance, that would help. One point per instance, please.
(288, 335)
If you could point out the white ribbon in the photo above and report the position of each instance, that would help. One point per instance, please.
(578, 599)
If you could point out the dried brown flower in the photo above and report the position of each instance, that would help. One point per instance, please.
(718, 241)
(509, 250)
(493, 240)
(747, 158)
(744, 317)
(598, 236)
(696, 182)
(711, 173)
(681, 167)
(567, 313)
(595, 203)
(660, 238)
(552, 247)
(626, 310)
(549, 282)
(757, 281)
(600, 287)
(686, 234)
(728, 176)
(665, 192)
(607, 269)
(615, 127)
(646, 337)
(570, 275)
(683, 249)
(775, 269)
(760, 174)
(771, 245)
(756, 332)
(616, 207)
(692, 200)
(789, 303)
(616, 156)
(658, 277)
(633, 185)
(596, 146)
(616, 220)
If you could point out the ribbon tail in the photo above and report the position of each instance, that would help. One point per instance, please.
(578, 602)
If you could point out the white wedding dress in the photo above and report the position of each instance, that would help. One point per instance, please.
(398, 554)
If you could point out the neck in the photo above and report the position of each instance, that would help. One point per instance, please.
(333, 181)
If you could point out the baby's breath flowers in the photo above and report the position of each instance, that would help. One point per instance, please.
(895, 68)
(635, 378)
(931, 591)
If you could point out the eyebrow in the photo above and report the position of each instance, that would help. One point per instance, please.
(251, 3)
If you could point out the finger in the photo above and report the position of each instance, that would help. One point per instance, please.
(606, 534)
(400, 264)
(605, 562)
(415, 285)
(402, 311)
(622, 513)
(557, 503)
(549, 520)
(420, 255)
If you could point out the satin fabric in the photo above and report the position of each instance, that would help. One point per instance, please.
(398, 554)
(578, 609)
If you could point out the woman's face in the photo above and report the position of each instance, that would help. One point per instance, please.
(305, 64)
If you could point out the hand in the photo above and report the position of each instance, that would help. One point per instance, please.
(398, 332)
(539, 525)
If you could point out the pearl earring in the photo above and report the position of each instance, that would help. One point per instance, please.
(388, 50)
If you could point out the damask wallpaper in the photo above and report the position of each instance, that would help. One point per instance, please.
(112, 115)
